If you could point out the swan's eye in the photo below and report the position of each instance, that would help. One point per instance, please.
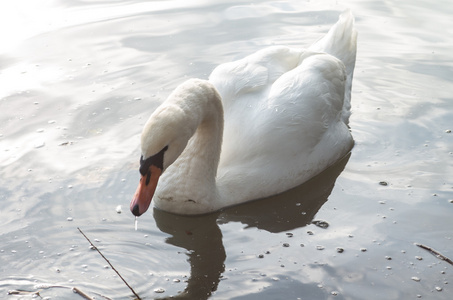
(156, 160)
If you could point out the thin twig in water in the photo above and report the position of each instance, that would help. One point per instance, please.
(82, 294)
(36, 294)
(17, 292)
(435, 253)
(113, 268)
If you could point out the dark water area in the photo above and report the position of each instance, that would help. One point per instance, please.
(78, 80)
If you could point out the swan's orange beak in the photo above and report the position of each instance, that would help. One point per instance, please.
(145, 191)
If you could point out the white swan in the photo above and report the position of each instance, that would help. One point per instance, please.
(258, 127)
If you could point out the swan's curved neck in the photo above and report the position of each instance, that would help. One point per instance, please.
(201, 156)
(192, 175)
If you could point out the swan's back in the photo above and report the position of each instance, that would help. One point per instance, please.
(286, 113)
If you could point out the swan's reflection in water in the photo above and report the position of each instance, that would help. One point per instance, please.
(202, 237)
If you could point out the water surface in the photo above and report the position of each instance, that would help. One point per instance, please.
(78, 80)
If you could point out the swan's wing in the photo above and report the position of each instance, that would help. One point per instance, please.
(254, 72)
(305, 102)
(300, 108)
(294, 135)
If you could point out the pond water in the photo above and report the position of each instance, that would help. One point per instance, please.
(78, 79)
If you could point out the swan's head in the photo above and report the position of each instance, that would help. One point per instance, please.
(163, 139)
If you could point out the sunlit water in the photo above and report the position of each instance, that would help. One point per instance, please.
(78, 80)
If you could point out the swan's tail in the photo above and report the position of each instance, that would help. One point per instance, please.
(341, 42)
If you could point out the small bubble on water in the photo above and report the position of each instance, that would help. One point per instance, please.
(309, 232)
(261, 256)
(285, 245)
(383, 183)
(42, 286)
(438, 288)
(334, 293)
(118, 209)
(340, 249)
(388, 257)
(415, 278)
(448, 131)
(319, 247)
(419, 258)
(159, 290)
(363, 249)
(70, 219)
